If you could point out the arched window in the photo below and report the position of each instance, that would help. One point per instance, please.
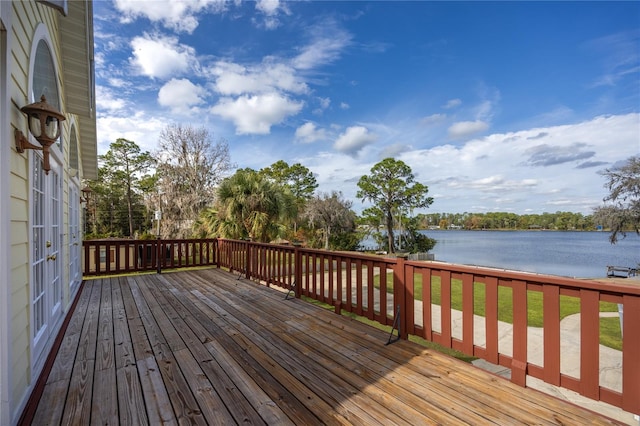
(44, 78)
(73, 148)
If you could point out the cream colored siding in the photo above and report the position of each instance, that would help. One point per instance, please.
(27, 16)
(28, 20)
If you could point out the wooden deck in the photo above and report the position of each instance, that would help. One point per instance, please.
(203, 347)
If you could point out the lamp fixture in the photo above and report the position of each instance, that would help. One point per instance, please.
(44, 124)
(86, 192)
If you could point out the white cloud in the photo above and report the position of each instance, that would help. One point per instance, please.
(394, 150)
(452, 103)
(268, 7)
(255, 114)
(324, 102)
(107, 102)
(328, 43)
(118, 82)
(139, 128)
(269, 76)
(180, 16)
(620, 56)
(491, 173)
(180, 95)
(161, 57)
(271, 9)
(344, 105)
(464, 129)
(354, 139)
(309, 133)
(433, 119)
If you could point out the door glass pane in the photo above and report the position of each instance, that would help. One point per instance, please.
(39, 247)
(54, 255)
(74, 238)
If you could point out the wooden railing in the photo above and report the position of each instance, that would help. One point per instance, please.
(106, 257)
(418, 298)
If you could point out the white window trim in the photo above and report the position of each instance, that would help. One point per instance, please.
(73, 180)
(41, 33)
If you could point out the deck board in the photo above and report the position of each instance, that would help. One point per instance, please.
(203, 347)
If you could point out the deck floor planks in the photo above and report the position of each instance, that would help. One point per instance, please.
(427, 388)
(227, 391)
(183, 347)
(182, 399)
(538, 408)
(269, 397)
(332, 390)
(196, 360)
(124, 355)
(55, 392)
(299, 402)
(425, 384)
(155, 396)
(78, 408)
(333, 347)
(104, 407)
(131, 408)
(321, 358)
(478, 378)
(334, 354)
(302, 403)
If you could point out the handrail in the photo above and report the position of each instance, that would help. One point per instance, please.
(111, 256)
(375, 287)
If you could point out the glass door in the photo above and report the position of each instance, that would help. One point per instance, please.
(75, 239)
(46, 259)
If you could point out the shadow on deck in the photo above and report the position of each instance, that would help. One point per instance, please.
(203, 347)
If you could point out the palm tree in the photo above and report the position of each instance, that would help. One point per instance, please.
(249, 206)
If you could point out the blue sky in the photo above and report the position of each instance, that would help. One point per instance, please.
(496, 106)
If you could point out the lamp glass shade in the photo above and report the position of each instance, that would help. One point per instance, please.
(51, 128)
(44, 120)
(34, 125)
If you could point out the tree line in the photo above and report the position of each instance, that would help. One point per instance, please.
(189, 188)
(562, 221)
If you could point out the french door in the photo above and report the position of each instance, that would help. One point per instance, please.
(46, 256)
(75, 240)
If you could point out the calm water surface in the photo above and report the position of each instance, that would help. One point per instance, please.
(573, 254)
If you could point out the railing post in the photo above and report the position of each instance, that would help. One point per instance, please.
(630, 355)
(216, 253)
(247, 247)
(297, 261)
(399, 294)
(158, 256)
(520, 330)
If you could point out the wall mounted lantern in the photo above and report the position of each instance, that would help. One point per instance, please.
(44, 124)
(86, 192)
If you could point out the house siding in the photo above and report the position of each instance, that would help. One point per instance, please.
(5, 291)
(19, 371)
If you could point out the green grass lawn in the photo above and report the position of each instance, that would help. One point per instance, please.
(609, 335)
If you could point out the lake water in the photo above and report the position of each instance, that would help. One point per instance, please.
(573, 254)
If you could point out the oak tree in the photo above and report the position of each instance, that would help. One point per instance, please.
(622, 214)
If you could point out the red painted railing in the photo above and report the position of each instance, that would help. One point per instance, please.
(418, 297)
(105, 257)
